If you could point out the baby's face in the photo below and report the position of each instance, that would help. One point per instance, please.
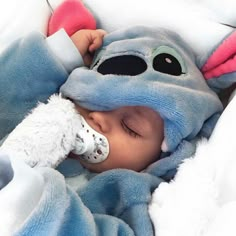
(134, 133)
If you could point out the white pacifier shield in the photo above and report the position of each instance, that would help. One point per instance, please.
(90, 145)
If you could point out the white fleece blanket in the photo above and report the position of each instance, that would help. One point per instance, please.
(201, 200)
(19, 17)
(195, 20)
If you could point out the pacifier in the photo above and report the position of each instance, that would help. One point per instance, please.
(90, 145)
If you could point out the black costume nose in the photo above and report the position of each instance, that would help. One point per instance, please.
(123, 65)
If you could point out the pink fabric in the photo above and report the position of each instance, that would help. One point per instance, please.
(223, 59)
(71, 15)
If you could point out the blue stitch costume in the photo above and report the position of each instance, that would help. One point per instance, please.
(176, 89)
(167, 80)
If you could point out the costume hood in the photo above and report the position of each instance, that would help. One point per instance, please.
(153, 67)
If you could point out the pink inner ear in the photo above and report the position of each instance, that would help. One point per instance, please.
(222, 60)
(71, 15)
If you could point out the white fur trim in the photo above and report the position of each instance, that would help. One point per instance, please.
(47, 135)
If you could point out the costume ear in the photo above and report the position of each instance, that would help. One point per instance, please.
(71, 15)
(219, 69)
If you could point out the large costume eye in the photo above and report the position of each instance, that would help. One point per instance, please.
(168, 61)
(123, 65)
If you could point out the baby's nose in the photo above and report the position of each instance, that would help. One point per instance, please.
(102, 120)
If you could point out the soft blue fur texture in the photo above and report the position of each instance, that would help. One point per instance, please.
(187, 105)
(114, 202)
(28, 75)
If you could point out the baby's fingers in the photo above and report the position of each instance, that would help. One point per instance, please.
(97, 40)
(101, 32)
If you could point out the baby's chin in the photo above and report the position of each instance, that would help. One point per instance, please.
(93, 167)
(105, 165)
(96, 168)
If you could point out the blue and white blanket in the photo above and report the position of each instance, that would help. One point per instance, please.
(201, 200)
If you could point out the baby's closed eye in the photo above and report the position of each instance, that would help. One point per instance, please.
(129, 128)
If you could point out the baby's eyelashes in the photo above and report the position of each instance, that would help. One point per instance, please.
(129, 129)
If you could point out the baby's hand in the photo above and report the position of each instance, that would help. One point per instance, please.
(87, 41)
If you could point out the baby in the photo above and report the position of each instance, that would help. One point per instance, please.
(131, 136)
(139, 78)
(134, 135)
(133, 132)
(138, 68)
(141, 105)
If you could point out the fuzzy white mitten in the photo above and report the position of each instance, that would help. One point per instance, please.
(53, 130)
(47, 135)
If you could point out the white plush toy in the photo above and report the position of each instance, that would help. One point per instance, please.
(53, 130)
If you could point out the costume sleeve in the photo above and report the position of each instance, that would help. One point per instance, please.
(45, 205)
(63, 47)
(32, 69)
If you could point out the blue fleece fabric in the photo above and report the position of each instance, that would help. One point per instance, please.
(114, 202)
(29, 74)
(187, 105)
